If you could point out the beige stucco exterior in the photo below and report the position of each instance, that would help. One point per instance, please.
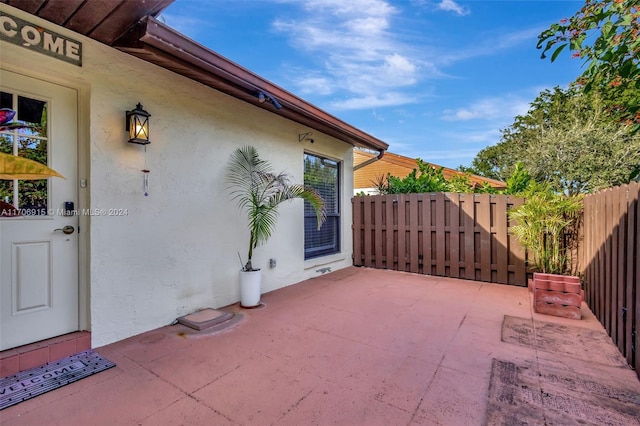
(175, 251)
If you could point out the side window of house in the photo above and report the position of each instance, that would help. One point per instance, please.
(323, 175)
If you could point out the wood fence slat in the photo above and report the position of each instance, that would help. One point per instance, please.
(484, 222)
(454, 235)
(623, 207)
(636, 308)
(600, 281)
(468, 208)
(440, 234)
(607, 261)
(427, 254)
(413, 233)
(502, 255)
(632, 227)
(356, 208)
(367, 229)
(518, 257)
(596, 245)
(587, 249)
(391, 232)
(378, 228)
(613, 257)
(402, 233)
(598, 250)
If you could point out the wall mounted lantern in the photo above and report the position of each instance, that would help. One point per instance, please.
(137, 125)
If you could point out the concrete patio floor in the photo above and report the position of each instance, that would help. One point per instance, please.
(355, 347)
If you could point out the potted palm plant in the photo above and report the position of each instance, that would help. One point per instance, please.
(544, 222)
(546, 226)
(259, 191)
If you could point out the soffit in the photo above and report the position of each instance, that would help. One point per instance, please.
(102, 20)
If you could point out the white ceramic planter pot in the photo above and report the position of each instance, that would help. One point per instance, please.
(250, 283)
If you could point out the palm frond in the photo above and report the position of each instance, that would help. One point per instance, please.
(259, 192)
(541, 224)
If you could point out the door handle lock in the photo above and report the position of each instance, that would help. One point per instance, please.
(67, 229)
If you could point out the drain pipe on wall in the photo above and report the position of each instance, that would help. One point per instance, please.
(369, 161)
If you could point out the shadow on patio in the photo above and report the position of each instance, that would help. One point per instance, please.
(360, 346)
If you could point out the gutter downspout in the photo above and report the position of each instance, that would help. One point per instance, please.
(369, 161)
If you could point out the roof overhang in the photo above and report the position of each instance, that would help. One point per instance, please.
(130, 26)
(157, 43)
(104, 21)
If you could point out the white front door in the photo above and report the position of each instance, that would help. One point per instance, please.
(38, 261)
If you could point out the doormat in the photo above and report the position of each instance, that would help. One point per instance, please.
(31, 383)
(526, 395)
(575, 342)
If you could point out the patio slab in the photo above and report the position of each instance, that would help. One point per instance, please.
(357, 346)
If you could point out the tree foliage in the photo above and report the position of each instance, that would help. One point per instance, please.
(428, 178)
(605, 34)
(568, 140)
(425, 178)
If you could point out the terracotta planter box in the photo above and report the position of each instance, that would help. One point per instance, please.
(571, 312)
(558, 295)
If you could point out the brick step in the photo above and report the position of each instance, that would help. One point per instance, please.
(22, 358)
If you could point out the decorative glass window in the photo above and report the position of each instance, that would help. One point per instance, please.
(27, 137)
(323, 175)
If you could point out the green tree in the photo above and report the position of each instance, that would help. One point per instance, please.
(568, 140)
(605, 34)
(424, 178)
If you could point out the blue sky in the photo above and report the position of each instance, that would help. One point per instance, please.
(435, 79)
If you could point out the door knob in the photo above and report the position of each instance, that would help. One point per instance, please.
(67, 229)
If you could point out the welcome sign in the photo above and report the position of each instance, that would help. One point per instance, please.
(34, 37)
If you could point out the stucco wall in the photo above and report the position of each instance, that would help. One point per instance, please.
(176, 250)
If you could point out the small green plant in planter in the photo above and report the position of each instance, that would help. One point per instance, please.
(259, 191)
(546, 226)
(543, 223)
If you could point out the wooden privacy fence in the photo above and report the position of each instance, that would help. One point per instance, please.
(454, 235)
(610, 255)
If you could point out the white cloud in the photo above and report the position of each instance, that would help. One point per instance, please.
(489, 109)
(316, 84)
(361, 54)
(452, 6)
(373, 101)
(490, 44)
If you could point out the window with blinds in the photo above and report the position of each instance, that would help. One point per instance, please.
(323, 175)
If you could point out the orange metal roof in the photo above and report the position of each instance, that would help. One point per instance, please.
(400, 166)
